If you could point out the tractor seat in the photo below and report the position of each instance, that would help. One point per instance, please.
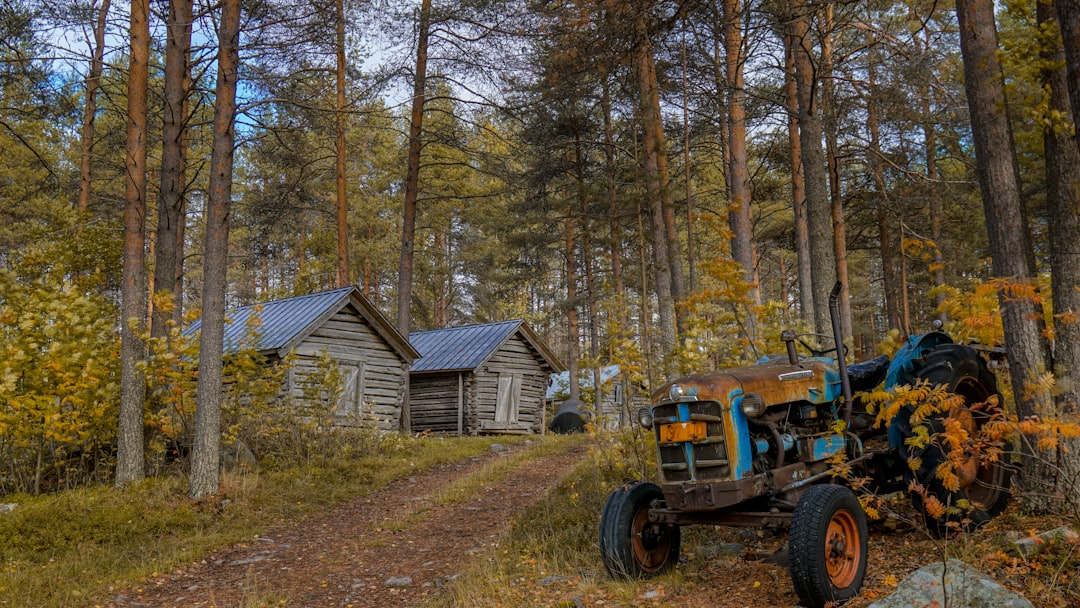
(868, 374)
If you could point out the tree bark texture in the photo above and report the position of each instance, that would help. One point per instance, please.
(610, 180)
(573, 327)
(342, 200)
(1063, 210)
(818, 209)
(206, 449)
(798, 184)
(169, 244)
(877, 171)
(412, 175)
(930, 150)
(997, 173)
(93, 82)
(1059, 470)
(832, 163)
(1068, 17)
(655, 182)
(130, 461)
(739, 218)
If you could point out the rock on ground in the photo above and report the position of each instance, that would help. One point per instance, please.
(953, 584)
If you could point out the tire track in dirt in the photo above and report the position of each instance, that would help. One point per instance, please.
(344, 558)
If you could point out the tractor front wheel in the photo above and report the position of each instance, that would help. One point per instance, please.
(827, 547)
(631, 545)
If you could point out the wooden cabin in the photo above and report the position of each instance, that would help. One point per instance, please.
(489, 378)
(621, 396)
(371, 355)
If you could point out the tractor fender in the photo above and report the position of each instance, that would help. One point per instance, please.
(904, 366)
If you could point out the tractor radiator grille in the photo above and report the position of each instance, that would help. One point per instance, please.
(700, 459)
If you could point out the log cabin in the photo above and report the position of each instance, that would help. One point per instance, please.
(373, 358)
(488, 378)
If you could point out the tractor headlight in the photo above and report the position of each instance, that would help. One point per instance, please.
(752, 405)
(644, 417)
(675, 392)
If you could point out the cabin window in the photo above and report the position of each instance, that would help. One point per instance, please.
(509, 398)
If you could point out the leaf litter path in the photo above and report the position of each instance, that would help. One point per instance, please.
(345, 557)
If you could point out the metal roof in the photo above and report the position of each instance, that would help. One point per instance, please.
(284, 322)
(460, 348)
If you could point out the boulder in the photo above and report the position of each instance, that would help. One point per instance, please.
(953, 584)
(1031, 546)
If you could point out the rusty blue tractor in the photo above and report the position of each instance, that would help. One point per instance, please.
(753, 446)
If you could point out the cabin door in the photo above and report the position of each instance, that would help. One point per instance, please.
(509, 399)
(350, 404)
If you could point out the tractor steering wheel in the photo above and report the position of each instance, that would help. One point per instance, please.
(816, 352)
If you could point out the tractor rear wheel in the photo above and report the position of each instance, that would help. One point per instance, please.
(983, 478)
(827, 546)
(631, 545)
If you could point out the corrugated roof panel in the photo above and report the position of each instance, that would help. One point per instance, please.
(459, 348)
(281, 320)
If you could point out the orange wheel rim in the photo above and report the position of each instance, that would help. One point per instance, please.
(650, 542)
(843, 551)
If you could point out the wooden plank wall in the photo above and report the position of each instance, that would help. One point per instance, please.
(433, 401)
(351, 341)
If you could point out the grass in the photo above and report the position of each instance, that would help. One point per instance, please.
(556, 537)
(550, 556)
(75, 547)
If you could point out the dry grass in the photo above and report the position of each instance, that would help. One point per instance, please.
(63, 549)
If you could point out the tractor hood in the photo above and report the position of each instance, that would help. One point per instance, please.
(814, 380)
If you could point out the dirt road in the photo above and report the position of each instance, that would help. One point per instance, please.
(391, 548)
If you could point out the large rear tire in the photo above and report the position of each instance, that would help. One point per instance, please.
(984, 482)
(827, 546)
(630, 545)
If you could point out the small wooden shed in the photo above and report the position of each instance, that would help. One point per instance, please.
(372, 356)
(488, 378)
(621, 396)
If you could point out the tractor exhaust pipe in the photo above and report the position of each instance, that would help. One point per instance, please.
(838, 340)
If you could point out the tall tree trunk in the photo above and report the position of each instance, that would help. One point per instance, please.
(874, 159)
(930, 151)
(655, 183)
(342, 201)
(1068, 16)
(590, 279)
(441, 298)
(1006, 227)
(169, 246)
(610, 177)
(573, 327)
(798, 184)
(1062, 476)
(206, 448)
(1063, 212)
(130, 461)
(832, 163)
(818, 209)
(690, 270)
(742, 229)
(412, 176)
(93, 83)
